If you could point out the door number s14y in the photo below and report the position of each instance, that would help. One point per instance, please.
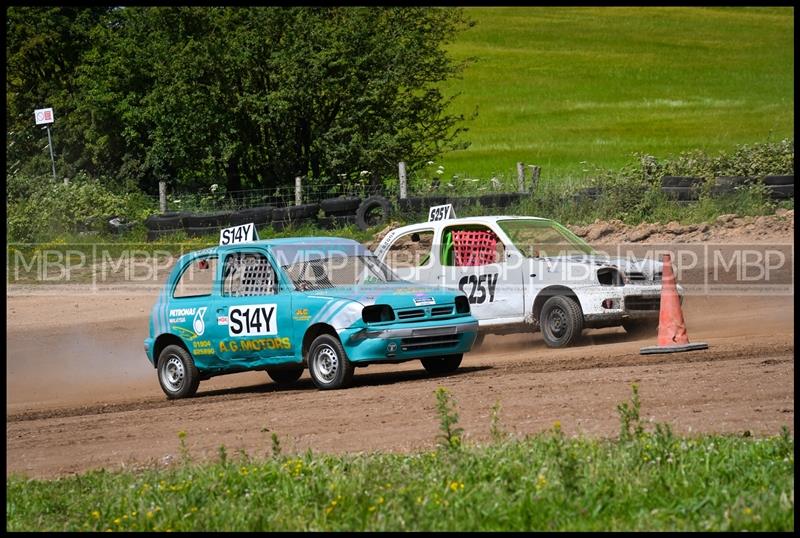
(480, 287)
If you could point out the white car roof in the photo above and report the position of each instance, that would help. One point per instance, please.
(463, 220)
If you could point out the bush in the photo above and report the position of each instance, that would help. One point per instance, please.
(39, 210)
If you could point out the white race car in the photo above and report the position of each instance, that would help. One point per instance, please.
(527, 273)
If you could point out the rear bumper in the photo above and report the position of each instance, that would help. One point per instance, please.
(400, 342)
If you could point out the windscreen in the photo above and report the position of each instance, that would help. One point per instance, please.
(544, 238)
(337, 269)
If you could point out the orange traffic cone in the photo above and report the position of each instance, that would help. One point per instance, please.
(672, 335)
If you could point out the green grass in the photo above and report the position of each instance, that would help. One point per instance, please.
(645, 480)
(572, 88)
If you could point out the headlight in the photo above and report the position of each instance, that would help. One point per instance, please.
(608, 276)
(377, 313)
(462, 304)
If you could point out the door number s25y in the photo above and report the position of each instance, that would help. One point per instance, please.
(480, 289)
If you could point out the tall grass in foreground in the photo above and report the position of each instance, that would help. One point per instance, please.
(644, 480)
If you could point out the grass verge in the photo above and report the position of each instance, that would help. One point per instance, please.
(643, 480)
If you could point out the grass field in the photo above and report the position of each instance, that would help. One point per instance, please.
(644, 480)
(573, 88)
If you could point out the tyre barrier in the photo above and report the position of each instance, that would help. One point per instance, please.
(343, 205)
(780, 187)
(216, 219)
(778, 180)
(257, 215)
(373, 211)
(681, 181)
(681, 194)
(170, 221)
(293, 215)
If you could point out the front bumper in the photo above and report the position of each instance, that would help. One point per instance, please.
(405, 341)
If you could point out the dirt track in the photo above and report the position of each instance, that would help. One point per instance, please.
(81, 395)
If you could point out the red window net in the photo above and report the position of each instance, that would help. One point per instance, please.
(474, 247)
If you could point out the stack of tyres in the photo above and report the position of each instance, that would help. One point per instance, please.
(780, 187)
(260, 216)
(339, 212)
(198, 225)
(293, 215)
(682, 188)
(164, 224)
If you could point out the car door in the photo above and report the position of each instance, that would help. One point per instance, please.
(411, 258)
(253, 314)
(475, 260)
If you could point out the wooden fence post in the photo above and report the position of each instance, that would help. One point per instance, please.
(162, 196)
(401, 170)
(535, 171)
(298, 190)
(520, 177)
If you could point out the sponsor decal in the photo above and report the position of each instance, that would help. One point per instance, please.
(424, 300)
(202, 347)
(198, 324)
(253, 320)
(184, 332)
(259, 344)
(301, 314)
(222, 320)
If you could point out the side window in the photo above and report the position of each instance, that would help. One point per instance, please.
(470, 246)
(248, 274)
(197, 279)
(410, 250)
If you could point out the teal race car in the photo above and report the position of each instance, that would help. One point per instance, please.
(282, 305)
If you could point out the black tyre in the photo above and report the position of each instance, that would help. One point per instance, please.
(343, 205)
(373, 211)
(256, 215)
(681, 193)
(303, 211)
(177, 374)
(171, 221)
(561, 321)
(285, 375)
(411, 204)
(328, 364)
(201, 231)
(647, 327)
(681, 181)
(216, 219)
(442, 365)
(779, 180)
(779, 192)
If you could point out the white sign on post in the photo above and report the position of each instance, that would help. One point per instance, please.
(441, 212)
(245, 233)
(43, 115)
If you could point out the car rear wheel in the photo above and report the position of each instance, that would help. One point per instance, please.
(285, 375)
(561, 321)
(442, 365)
(177, 374)
(328, 364)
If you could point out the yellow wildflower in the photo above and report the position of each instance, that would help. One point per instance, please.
(96, 514)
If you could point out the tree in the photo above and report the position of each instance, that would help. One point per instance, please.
(255, 96)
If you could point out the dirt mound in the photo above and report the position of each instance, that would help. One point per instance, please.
(728, 228)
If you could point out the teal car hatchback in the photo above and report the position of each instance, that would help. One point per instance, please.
(282, 305)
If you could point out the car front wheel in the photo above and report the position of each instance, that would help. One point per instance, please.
(561, 321)
(177, 374)
(328, 364)
(442, 365)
